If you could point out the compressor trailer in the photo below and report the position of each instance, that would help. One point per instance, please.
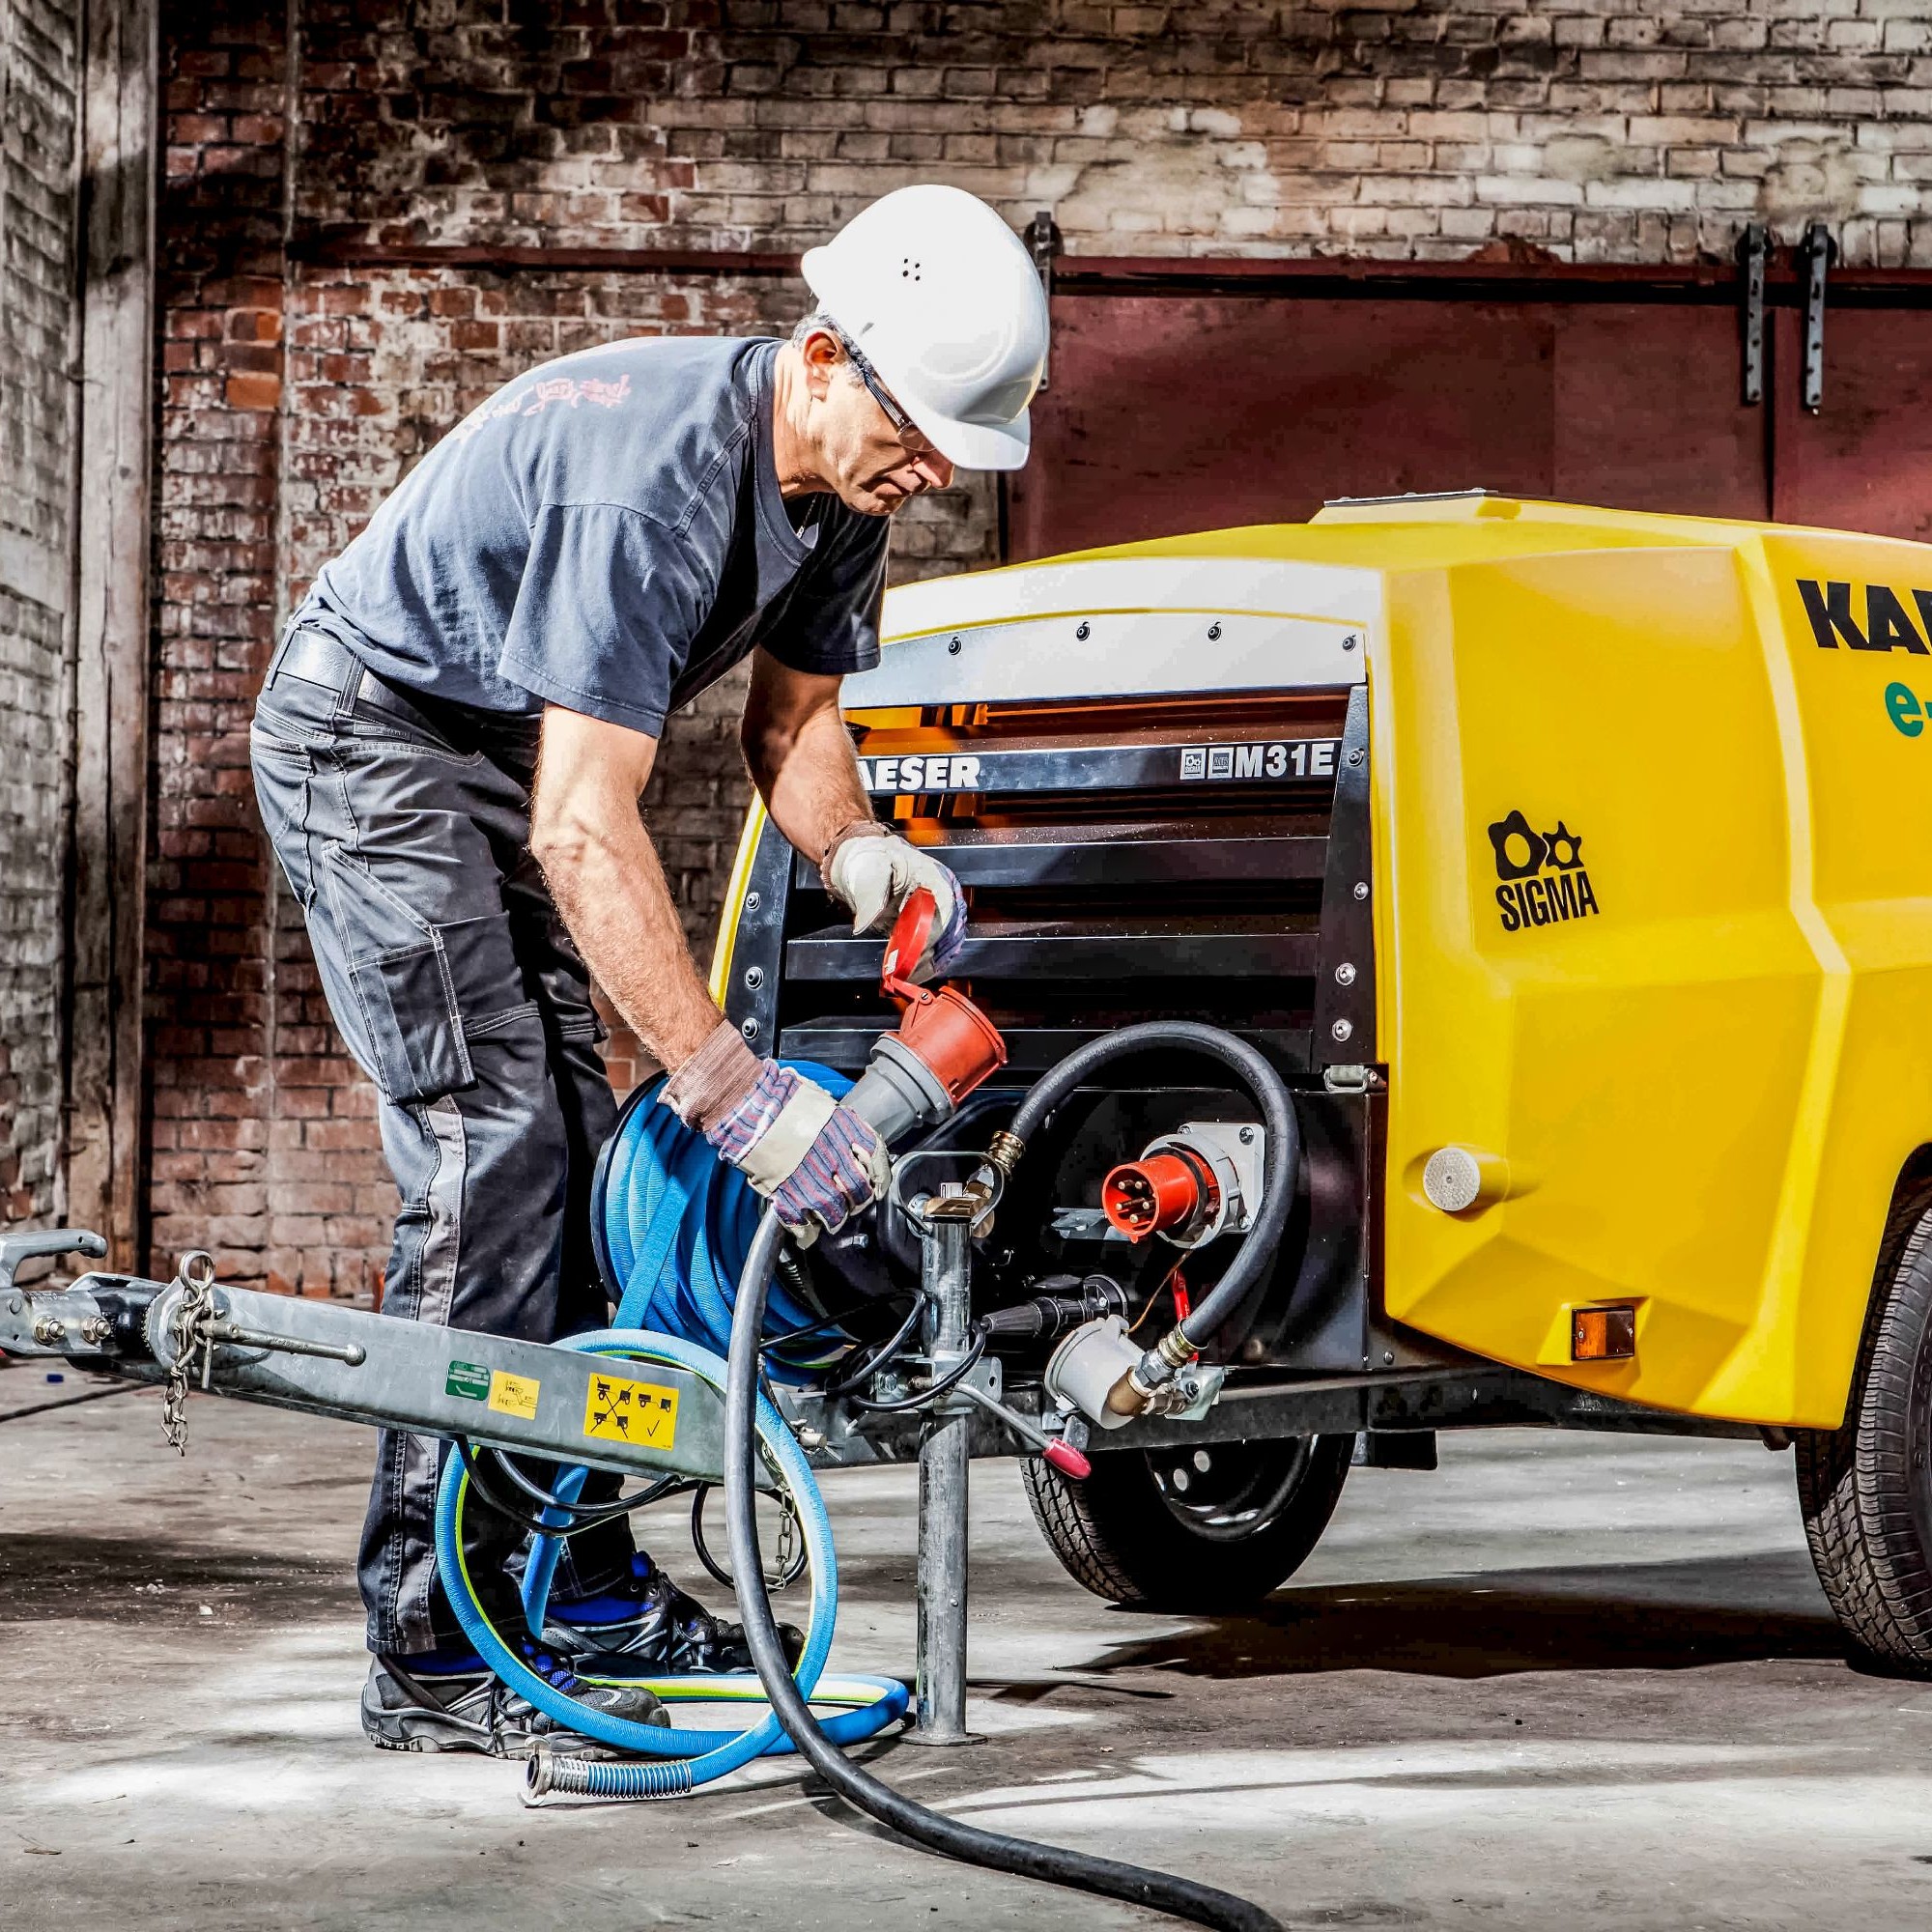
(1458, 963)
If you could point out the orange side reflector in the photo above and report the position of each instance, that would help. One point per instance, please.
(1603, 1334)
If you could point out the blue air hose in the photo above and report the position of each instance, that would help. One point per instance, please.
(868, 1704)
(673, 1226)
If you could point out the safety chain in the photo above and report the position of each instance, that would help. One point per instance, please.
(791, 1554)
(790, 1551)
(195, 1277)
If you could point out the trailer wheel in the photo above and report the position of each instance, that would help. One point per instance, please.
(1866, 1487)
(1196, 1531)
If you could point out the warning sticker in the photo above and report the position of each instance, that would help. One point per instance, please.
(468, 1379)
(620, 1410)
(514, 1395)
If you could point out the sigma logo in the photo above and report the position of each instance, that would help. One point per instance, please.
(1297, 758)
(1888, 625)
(1542, 874)
(933, 771)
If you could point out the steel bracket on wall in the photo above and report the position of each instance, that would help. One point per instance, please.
(1042, 239)
(1753, 253)
(1815, 255)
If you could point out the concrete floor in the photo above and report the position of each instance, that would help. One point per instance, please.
(1564, 1681)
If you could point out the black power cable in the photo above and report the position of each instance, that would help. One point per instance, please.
(73, 1400)
(1159, 1892)
(878, 1357)
(1280, 1160)
(581, 1517)
(919, 1398)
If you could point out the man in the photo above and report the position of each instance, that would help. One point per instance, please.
(449, 751)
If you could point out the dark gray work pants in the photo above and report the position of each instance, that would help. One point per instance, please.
(403, 828)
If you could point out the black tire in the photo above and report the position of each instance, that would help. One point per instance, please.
(1151, 1529)
(1866, 1487)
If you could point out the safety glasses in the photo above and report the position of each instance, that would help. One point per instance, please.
(911, 437)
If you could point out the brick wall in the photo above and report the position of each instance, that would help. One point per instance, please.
(1603, 130)
(210, 907)
(296, 394)
(38, 95)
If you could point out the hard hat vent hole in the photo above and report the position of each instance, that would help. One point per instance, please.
(909, 269)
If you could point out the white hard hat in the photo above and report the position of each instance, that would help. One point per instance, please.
(941, 297)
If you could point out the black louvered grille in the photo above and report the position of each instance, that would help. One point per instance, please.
(1122, 861)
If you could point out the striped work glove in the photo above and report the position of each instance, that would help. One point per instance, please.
(874, 871)
(817, 1162)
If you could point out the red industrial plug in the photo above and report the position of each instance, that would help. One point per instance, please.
(953, 1038)
(1158, 1192)
(1067, 1459)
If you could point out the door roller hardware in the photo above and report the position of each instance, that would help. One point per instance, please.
(1815, 254)
(1753, 250)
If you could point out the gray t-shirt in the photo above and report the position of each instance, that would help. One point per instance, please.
(607, 533)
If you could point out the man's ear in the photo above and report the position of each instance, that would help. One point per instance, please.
(822, 356)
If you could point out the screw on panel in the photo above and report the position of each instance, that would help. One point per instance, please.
(1345, 975)
(1355, 756)
(1350, 642)
(1083, 630)
(954, 647)
(1213, 631)
(755, 977)
(1388, 1357)
(48, 1332)
(750, 1028)
(1361, 888)
(1247, 1137)
(1342, 1029)
(753, 901)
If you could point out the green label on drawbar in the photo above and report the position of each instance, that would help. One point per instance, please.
(468, 1379)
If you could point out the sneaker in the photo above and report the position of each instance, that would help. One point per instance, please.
(407, 1707)
(654, 1625)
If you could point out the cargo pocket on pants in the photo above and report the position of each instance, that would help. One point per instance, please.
(409, 1002)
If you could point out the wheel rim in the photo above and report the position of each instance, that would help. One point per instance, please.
(1229, 1491)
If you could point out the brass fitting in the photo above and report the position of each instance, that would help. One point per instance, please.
(1176, 1349)
(1004, 1150)
(1139, 1389)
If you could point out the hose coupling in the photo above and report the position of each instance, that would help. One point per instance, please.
(1175, 1351)
(1148, 1383)
(1004, 1150)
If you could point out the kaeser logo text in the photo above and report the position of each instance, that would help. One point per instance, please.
(1888, 624)
(1542, 874)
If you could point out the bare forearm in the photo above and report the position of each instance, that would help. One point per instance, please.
(800, 757)
(815, 792)
(611, 891)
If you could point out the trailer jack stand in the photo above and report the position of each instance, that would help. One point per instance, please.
(946, 1239)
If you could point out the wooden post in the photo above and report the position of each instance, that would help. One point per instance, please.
(108, 896)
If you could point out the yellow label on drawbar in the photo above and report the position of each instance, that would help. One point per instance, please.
(514, 1395)
(620, 1410)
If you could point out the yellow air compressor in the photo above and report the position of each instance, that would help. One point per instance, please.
(1572, 868)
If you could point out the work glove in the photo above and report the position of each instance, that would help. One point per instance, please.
(817, 1162)
(874, 871)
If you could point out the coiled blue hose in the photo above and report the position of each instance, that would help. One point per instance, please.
(674, 1225)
